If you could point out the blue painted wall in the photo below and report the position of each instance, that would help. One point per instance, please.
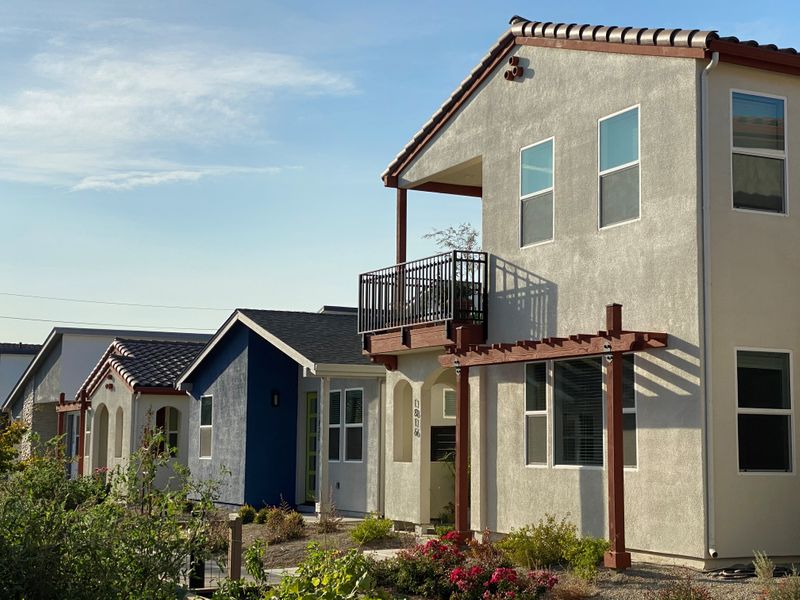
(272, 431)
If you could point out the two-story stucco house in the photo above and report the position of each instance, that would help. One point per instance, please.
(655, 169)
(257, 421)
(129, 391)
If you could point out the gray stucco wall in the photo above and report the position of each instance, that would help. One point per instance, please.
(650, 266)
(754, 298)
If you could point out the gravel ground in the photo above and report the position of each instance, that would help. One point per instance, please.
(643, 578)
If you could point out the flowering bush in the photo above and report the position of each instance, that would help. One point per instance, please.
(503, 583)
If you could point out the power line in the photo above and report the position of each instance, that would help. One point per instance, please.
(112, 303)
(152, 327)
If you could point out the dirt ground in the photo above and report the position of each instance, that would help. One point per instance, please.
(292, 553)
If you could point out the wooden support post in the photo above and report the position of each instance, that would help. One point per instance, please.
(234, 546)
(60, 416)
(462, 449)
(616, 558)
(402, 224)
(82, 433)
(323, 416)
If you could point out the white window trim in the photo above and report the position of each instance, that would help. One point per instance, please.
(551, 189)
(638, 161)
(335, 426)
(211, 427)
(548, 374)
(627, 411)
(553, 420)
(347, 425)
(761, 411)
(444, 404)
(784, 155)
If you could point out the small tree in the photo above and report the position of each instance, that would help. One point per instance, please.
(11, 435)
(456, 237)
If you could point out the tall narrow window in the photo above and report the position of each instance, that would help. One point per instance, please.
(628, 412)
(118, 432)
(353, 424)
(87, 436)
(619, 167)
(206, 425)
(536, 413)
(335, 427)
(758, 153)
(764, 411)
(578, 412)
(167, 420)
(449, 409)
(536, 193)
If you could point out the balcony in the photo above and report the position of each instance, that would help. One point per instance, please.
(448, 289)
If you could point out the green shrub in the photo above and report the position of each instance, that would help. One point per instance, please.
(261, 515)
(282, 523)
(541, 545)
(247, 513)
(788, 588)
(441, 530)
(582, 555)
(242, 589)
(328, 575)
(423, 570)
(372, 528)
(681, 590)
(763, 566)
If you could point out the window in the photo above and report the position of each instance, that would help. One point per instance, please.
(443, 443)
(353, 424)
(87, 437)
(619, 167)
(578, 412)
(167, 420)
(118, 432)
(449, 410)
(758, 161)
(628, 412)
(536, 193)
(206, 425)
(536, 413)
(764, 411)
(335, 426)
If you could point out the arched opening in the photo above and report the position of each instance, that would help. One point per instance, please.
(403, 415)
(101, 435)
(168, 419)
(118, 429)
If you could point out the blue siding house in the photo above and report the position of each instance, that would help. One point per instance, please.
(255, 411)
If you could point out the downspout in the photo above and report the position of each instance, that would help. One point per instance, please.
(381, 442)
(706, 316)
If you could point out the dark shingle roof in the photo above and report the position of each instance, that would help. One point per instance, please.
(152, 363)
(18, 348)
(322, 338)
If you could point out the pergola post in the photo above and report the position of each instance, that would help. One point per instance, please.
(616, 558)
(82, 434)
(402, 224)
(462, 448)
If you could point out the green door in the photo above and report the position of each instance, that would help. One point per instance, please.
(311, 446)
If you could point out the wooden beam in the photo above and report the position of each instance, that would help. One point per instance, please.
(596, 345)
(449, 188)
(617, 557)
(462, 449)
(402, 225)
(758, 58)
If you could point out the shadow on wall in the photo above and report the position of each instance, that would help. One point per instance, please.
(525, 303)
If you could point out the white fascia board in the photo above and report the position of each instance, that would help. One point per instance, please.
(347, 371)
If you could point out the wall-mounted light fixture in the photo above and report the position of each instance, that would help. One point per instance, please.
(276, 398)
(457, 365)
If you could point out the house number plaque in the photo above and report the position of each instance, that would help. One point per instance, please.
(417, 415)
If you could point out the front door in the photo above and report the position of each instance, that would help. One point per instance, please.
(312, 434)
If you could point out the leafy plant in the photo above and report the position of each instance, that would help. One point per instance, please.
(11, 435)
(540, 545)
(327, 575)
(372, 528)
(441, 530)
(788, 588)
(247, 513)
(329, 520)
(583, 555)
(683, 589)
(764, 566)
(282, 523)
(424, 569)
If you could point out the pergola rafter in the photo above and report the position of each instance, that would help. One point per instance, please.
(611, 343)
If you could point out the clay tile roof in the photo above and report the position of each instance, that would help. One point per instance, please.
(524, 28)
(152, 363)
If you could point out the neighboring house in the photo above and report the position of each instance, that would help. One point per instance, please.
(14, 359)
(131, 389)
(258, 422)
(648, 167)
(60, 367)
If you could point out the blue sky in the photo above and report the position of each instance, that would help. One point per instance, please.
(228, 154)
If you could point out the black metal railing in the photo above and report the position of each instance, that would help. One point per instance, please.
(445, 287)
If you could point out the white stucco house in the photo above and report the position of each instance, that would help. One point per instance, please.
(649, 168)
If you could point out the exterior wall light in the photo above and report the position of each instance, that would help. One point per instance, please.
(457, 365)
(276, 399)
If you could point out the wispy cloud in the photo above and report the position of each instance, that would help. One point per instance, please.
(135, 179)
(112, 116)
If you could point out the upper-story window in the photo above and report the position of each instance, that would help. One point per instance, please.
(619, 167)
(536, 193)
(758, 161)
(206, 426)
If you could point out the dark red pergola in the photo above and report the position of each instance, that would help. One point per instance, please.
(613, 343)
